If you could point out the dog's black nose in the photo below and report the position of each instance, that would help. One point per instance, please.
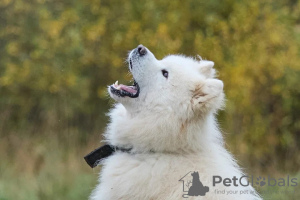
(142, 50)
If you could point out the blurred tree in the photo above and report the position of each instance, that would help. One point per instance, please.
(56, 57)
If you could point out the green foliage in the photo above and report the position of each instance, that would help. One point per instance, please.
(56, 58)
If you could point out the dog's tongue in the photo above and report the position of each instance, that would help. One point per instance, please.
(127, 88)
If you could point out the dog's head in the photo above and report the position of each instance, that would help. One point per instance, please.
(169, 100)
(175, 84)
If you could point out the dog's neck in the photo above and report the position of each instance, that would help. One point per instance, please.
(95, 157)
(192, 136)
(162, 135)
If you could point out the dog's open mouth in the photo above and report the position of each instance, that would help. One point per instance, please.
(124, 90)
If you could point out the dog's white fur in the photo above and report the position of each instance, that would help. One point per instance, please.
(171, 128)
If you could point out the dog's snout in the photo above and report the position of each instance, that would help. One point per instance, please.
(142, 50)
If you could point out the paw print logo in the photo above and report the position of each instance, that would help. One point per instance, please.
(260, 181)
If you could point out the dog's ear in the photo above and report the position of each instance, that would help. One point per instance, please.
(206, 68)
(208, 95)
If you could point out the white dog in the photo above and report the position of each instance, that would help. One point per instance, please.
(166, 136)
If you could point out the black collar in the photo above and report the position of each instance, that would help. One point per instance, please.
(94, 158)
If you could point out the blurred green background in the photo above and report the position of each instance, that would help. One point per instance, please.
(57, 57)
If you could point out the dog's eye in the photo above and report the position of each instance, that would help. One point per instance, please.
(165, 73)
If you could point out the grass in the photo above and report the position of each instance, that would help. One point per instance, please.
(45, 169)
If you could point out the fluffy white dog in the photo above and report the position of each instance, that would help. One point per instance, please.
(168, 144)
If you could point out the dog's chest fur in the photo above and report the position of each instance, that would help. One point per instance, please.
(155, 176)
